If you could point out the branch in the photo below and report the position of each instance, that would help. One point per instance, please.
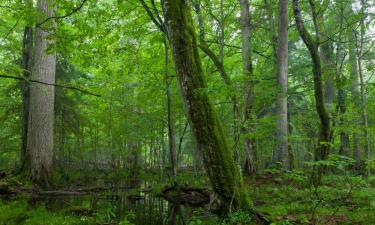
(152, 17)
(64, 16)
(56, 85)
(11, 30)
(219, 65)
(306, 37)
(158, 15)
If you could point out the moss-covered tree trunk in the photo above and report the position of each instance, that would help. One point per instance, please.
(222, 171)
(324, 138)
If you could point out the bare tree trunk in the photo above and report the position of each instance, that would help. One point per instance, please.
(41, 117)
(324, 139)
(221, 168)
(282, 83)
(247, 66)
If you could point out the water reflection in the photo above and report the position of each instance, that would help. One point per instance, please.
(115, 206)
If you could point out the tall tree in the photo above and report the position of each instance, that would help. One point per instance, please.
(171, 139)
(355, 93)
(281, 152)
(41, 116)
(324, 139)
(27, 49)
(247, 67)
(360, 53)
(221, 168)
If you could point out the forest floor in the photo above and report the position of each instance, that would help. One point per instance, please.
(289, 199)
(281, 198)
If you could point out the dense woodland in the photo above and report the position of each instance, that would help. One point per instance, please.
(187, 112)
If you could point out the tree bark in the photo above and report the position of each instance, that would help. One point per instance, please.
(26, 66)
(341, 91)
(281, 153)
(247, 66)
(41, 116)
(324, 139)
(222, 171)
(359, 47)
(171, 138)
(356, 99)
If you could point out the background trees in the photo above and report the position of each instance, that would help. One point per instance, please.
(113, 49)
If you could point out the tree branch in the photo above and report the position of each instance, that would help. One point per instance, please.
(56, 85)
(219, 65)
(152, 17)
(64, 16)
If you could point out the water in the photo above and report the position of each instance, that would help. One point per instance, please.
(140, 208)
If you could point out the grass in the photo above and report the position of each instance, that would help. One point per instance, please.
(19, 211)
(339, 200)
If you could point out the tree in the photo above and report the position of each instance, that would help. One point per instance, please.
(281, 152)
(41, 116)
(247, 67)
(324, 138)
(27, 48)
(222, 171)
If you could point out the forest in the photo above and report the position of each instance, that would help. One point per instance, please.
(187, 112)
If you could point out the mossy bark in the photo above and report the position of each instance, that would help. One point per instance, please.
(222, 171)
(324, 138)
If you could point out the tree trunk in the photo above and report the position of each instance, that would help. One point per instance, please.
(41, 115)
(247, 66)
(222, 171)
(282, 83)
(328, 67)
(219, 63)
(324, 139)
(171, 139)
(341, 92)
(26, 66)
(354, 89)
(359, 46)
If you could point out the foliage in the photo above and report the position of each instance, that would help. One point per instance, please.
(237, 218)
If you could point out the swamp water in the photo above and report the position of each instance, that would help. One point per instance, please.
(112, 207)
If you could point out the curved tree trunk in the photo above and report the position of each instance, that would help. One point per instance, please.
(41, 115)
(222, 171)
(324, 139)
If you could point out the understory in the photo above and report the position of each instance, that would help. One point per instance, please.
(279, 197)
